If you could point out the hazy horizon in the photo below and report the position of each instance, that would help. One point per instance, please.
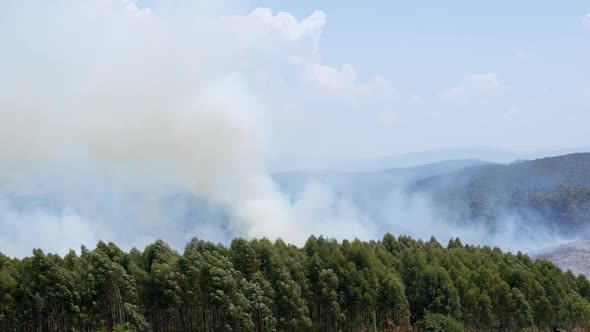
(416, 158)
(208, 99)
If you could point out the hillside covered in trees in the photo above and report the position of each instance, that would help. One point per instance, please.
(552, 191)
(397, 284)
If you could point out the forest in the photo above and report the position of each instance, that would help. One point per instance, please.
(396, 284)
(552, 192)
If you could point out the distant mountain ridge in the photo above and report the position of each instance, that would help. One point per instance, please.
(418, 158)
(539, 174)
(377, 181)
(494, 155)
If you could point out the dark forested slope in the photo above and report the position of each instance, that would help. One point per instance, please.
(550, 192)
(397, 284)
(554, 191)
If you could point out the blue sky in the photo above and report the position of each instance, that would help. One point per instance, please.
(452, 37)
(344, 79)
(538, 50)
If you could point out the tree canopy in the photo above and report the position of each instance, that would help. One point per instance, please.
(397, 284)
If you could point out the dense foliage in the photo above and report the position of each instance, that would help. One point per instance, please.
(397, 284)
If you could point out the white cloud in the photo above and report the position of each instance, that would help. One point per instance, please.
(309, 95)
(292, 60)
(288, 26)
(132, 7)
(280, 55)
(586, 20)
(474, 87)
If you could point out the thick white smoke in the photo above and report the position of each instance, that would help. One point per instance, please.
(107, 108)
(144, 102)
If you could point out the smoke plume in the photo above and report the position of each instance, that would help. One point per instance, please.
(124, 123)
(132, 101)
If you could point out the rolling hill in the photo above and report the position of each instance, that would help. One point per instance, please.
(373, 183)
(554, 191)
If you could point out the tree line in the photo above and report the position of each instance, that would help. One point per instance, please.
(396, 284)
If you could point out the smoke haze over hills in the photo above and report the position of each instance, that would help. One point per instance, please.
(125, 122)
